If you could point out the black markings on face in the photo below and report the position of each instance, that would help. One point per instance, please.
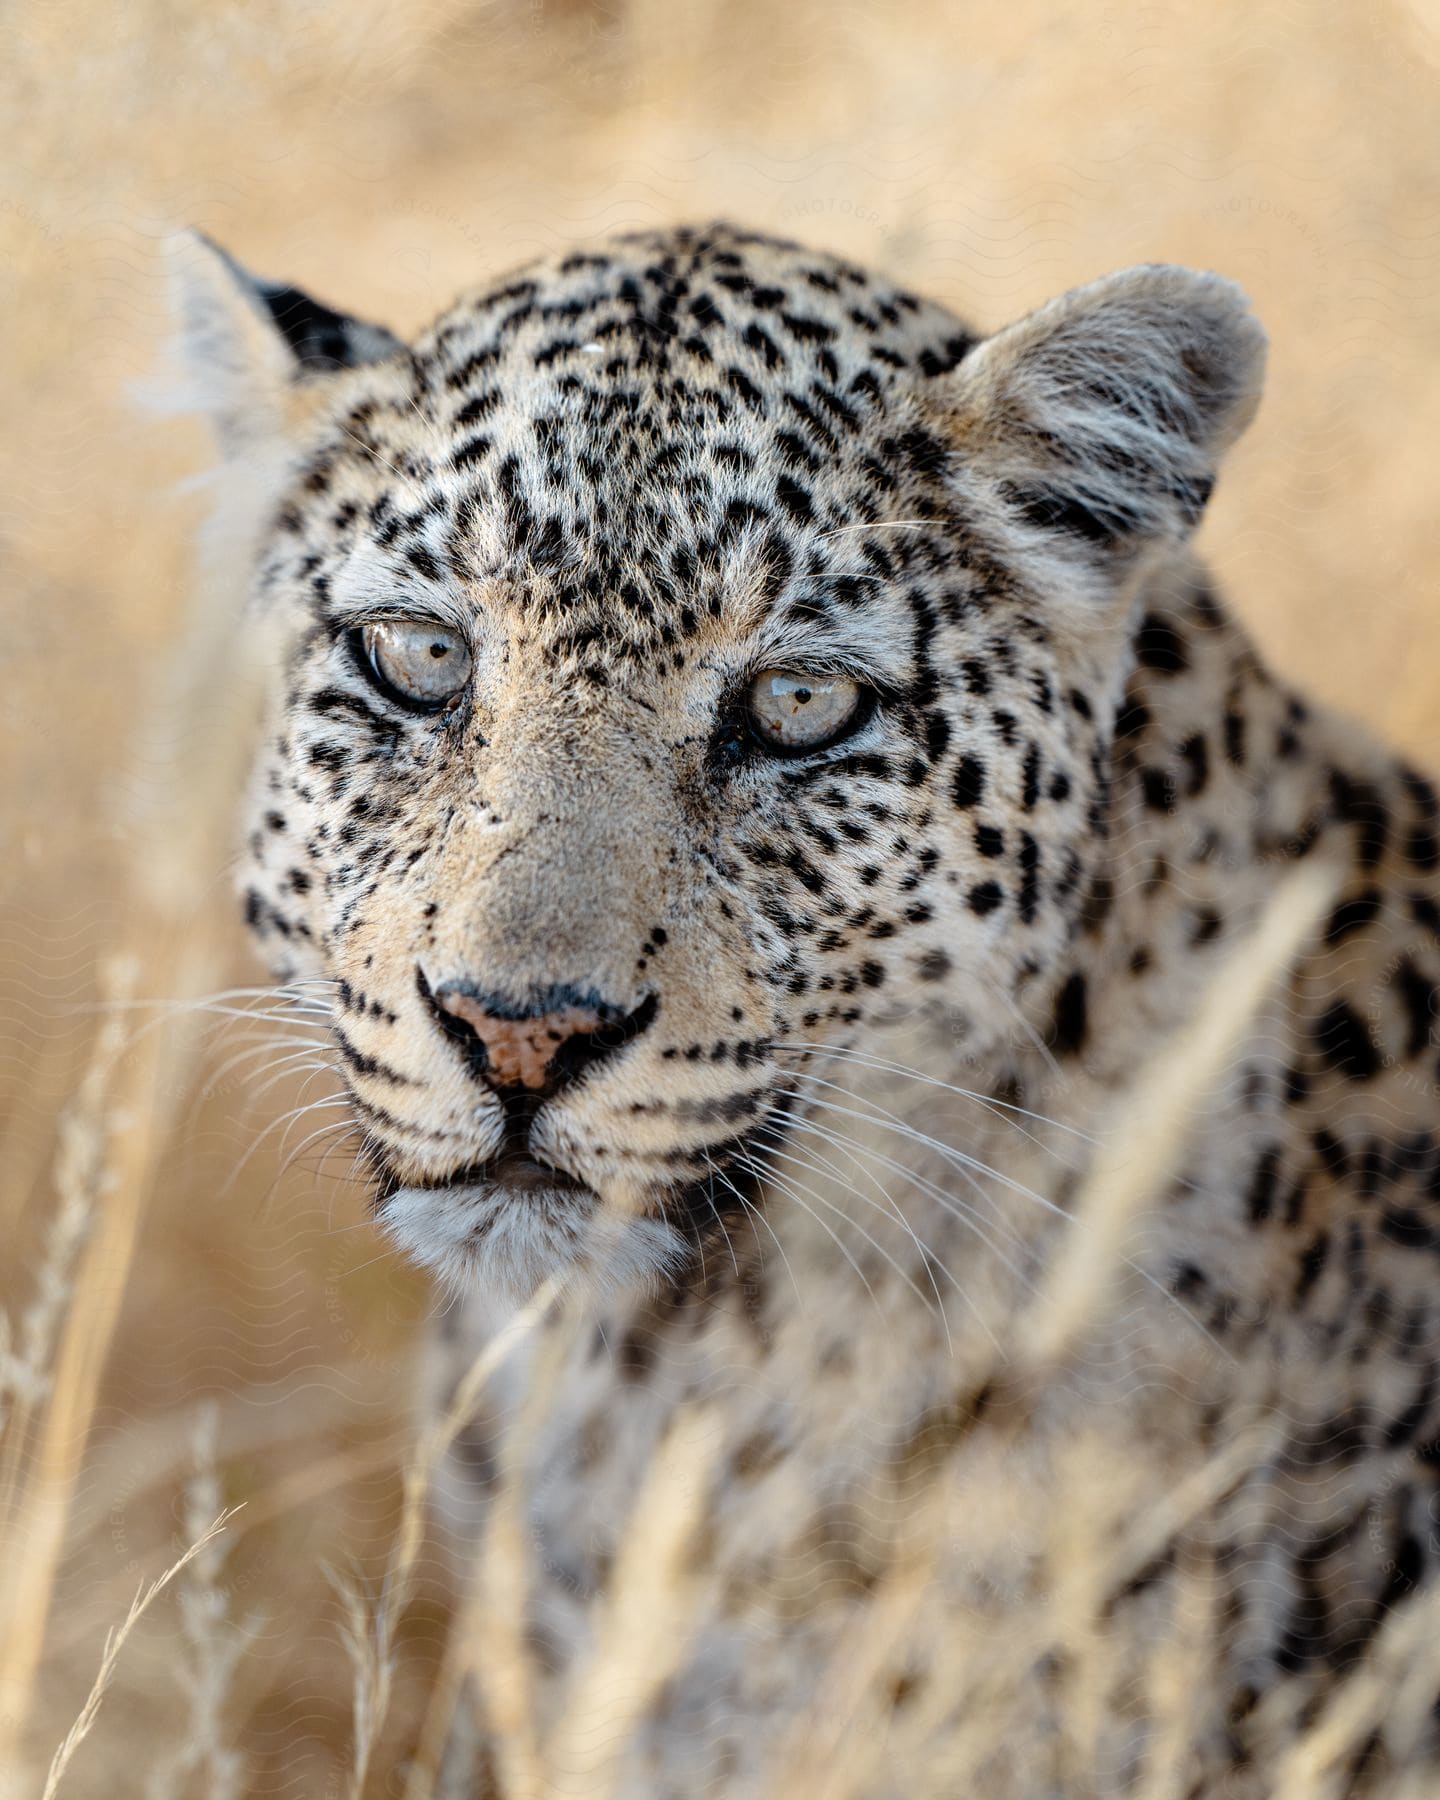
(689, 414)
(1260, 1199)
(1195, 754)
(1420, 1002)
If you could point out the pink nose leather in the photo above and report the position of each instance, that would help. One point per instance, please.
(519, 1052)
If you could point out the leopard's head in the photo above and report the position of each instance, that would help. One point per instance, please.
(696, 650)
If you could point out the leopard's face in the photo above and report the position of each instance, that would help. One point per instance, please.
(695, 656)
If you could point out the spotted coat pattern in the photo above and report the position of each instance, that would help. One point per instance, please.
(628, 479)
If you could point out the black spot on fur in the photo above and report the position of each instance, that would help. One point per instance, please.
(989, 840)
(969, 785)
(1159, 646)
(1344, 1043)
(1071, 1024)
(1353, 915)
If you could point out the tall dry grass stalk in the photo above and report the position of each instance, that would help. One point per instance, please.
(114, 1643)
(370, 1627)
(27, 1366)
(214, 1643)
(643, 1628)
(1393, 1688)
(1148, 1133)
(655, 1595)
(95, 1225)
(27, 1356)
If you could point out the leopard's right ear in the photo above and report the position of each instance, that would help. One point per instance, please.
(254, 352)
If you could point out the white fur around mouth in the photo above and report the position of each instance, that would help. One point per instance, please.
(509, 1236)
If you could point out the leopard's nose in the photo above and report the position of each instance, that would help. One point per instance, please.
(536, 1045)
(520, 1048)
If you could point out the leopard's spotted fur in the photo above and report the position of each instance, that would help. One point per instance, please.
(631, 477)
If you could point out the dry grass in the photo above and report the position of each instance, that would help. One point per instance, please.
(114, 1643)
(157, 1260)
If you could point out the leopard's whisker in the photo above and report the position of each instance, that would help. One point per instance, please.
(876, 525)
(291, 1053)
(959, 1160)
(952, 1203)
(890, 1210)
(288, 1120)
(757, 1213)
(1032, 1036)
(1002, 1109)
(765, 1161)
(281, 991)
(336, 1129)
(882, 1113)
(883, 1117)
(752, 1160)
(322, 1066)
(962, 1211)
(729, 1242)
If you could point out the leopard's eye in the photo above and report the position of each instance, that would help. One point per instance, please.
(417, 660)
(789, 711)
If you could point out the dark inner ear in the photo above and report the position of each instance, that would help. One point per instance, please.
(1108, 514)
(1100, 419)
(320, 338)
(315, 333)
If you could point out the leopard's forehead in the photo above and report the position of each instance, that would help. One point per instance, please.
(625, 442)
(759, 311)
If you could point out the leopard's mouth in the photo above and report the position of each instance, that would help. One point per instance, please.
(514, 1171)
(513, 1220)
(512, 1174)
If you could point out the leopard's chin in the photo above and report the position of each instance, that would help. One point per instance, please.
(518, 1223)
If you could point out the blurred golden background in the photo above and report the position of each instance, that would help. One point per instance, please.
(382, 155)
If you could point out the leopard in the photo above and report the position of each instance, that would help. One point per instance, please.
(758, 774)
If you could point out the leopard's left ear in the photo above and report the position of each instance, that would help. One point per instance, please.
(1096, 424)
(254, 350)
